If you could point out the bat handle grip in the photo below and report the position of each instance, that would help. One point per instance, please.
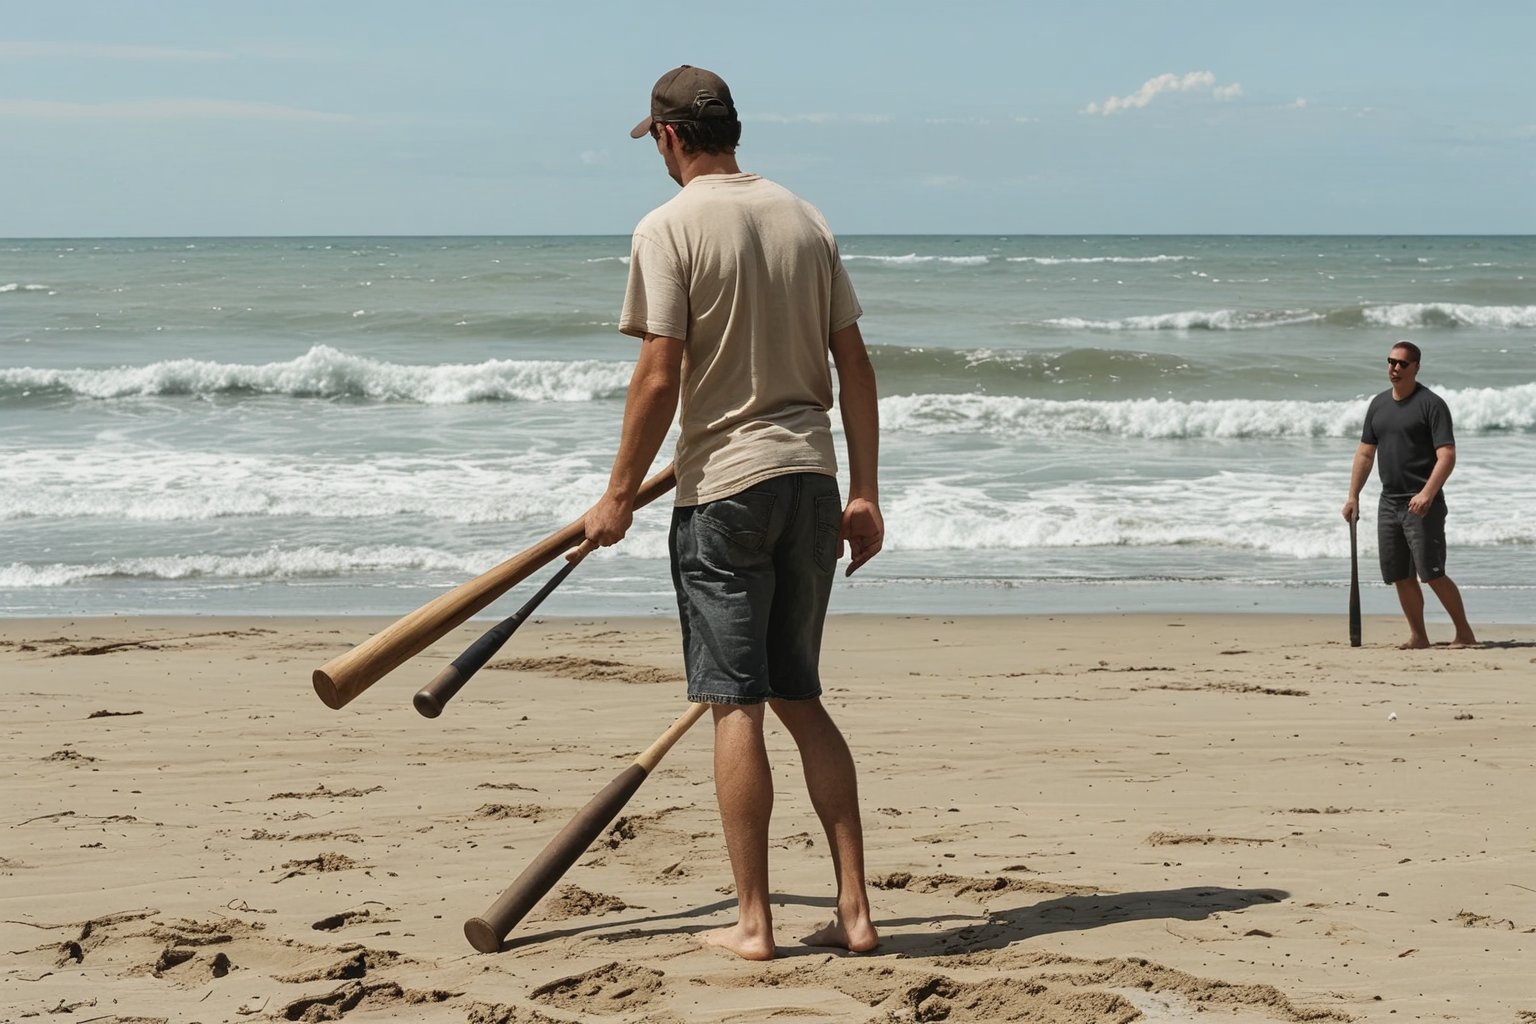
(431, 699)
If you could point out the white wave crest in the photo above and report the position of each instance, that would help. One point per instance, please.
(1193, 320)
(912, 257)
(1051, 261)
(324, 372)
(531, 492)
(18, 287)
(311, 561)
(1450, 314)
(1473, 409)
(108, 481)
(273, 563)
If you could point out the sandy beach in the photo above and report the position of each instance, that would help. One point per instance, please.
(1072, 819)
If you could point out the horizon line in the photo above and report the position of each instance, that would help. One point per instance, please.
(843, 234)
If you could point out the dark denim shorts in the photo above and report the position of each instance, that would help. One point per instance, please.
(753, 573)
(1410, 543)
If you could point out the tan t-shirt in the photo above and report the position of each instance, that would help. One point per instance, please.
(747, 275)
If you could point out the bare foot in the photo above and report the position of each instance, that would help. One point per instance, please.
(745, 943)
(858, 937)
(1414, 643)
(1459, 642)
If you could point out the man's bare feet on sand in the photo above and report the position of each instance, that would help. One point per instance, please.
(745, 943)
(1461, 643)
(1414, 643)
(860, 937)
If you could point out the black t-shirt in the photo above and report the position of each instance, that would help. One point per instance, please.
(1406, 435)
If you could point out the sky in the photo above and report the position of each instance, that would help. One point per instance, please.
(335, 117)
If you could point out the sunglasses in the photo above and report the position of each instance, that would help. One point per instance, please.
(1401, 364)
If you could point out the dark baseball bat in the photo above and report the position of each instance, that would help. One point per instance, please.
(487, 931)
(433, 697)
(1354, 585)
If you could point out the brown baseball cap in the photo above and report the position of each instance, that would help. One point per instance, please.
(687, 93)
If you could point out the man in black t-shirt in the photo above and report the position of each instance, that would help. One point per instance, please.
(1409, 426)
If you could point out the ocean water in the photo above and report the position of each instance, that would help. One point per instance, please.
(351, 425)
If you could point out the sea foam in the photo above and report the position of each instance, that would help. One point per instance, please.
(108, 481)
(1051, 261)
(1192, 320)
(1399, 315)
(324, 372)
(1450, 314)
(1293, 516)
(912, 257)
(1474, 409)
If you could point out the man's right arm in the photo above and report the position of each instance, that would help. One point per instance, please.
(1360, 472)
(649, 407)
(863, 526)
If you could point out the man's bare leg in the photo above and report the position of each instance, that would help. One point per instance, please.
(832, 782)
(1450, 597)
(1412, 599)
(744, 789)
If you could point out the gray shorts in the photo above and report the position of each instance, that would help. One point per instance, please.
(1410, 544)
(753, 573)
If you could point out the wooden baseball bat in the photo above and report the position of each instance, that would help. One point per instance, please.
(487, 931)
(1354, 586)
(342, 678)
(432, 698)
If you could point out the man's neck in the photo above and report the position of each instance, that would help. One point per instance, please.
(1402, 391)
(707, 163)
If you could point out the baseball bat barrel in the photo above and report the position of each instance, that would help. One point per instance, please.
(433, 697)
(341, 679)
(1354, 586)
(487, 931)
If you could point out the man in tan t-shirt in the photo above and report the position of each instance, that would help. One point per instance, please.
(738, 295)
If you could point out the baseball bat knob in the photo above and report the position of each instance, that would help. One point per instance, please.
(482, 936)
(431, 699)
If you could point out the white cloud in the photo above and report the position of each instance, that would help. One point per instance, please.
(1169, 82)
(98, 51)
(162, 110)
(1301, 103)
(821, 118)
(595, 157)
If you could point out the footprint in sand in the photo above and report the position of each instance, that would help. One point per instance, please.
(612, 988)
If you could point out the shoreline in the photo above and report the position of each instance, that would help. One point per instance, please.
(1068, 815)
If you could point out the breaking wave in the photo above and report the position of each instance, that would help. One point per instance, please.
(324, 372)
(1400, 315)
(1474, 409)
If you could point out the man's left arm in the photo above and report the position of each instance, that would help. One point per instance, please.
(863, 526)
(648, 410)
(1445, 461)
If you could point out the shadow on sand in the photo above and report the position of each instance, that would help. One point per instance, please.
(1499, 645)
(1001, 928)
(1070, 914)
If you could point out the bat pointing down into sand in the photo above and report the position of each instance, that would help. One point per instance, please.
(433, 697)
(1354, 585)
(342, 678)
(487, 931)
